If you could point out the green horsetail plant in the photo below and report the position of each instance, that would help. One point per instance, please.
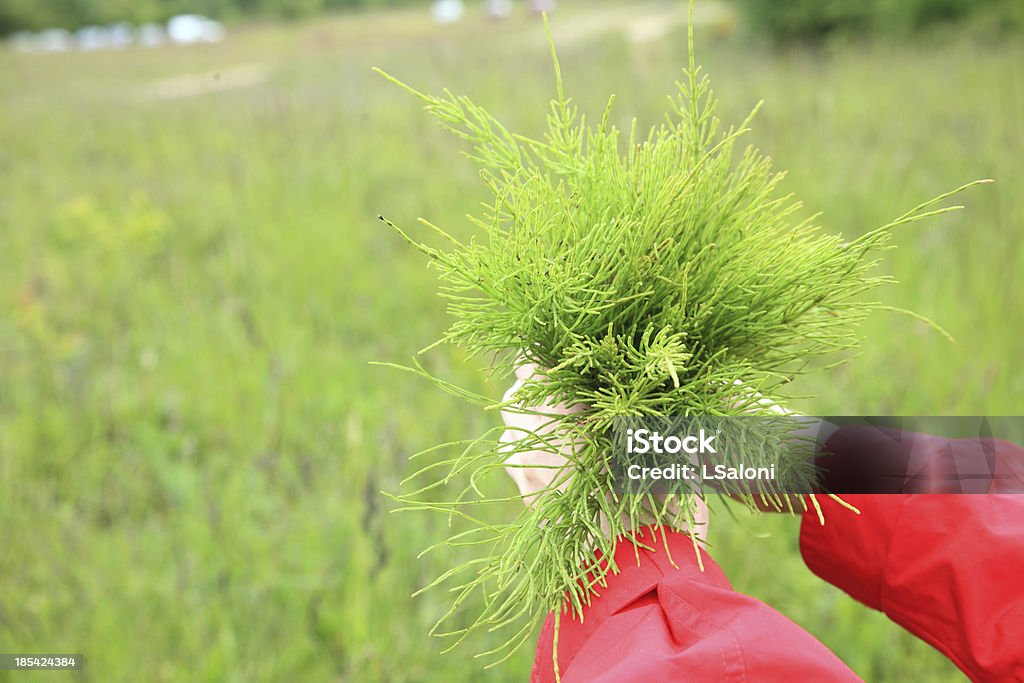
(666, 277)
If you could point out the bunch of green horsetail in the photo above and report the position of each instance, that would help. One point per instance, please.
(646, 274)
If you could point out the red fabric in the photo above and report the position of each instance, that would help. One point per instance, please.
(655, 622)
(949, 568)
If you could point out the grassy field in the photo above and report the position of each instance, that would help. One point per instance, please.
(193, 282)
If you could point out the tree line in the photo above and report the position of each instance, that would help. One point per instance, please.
(34, 15)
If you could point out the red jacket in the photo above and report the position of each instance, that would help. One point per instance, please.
(948, 568)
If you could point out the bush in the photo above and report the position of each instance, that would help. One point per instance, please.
(804, 20)
(815, 20)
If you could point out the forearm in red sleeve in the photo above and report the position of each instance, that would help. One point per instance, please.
(948, 568)
(655, 621)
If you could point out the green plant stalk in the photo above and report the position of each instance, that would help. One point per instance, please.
(665, 278)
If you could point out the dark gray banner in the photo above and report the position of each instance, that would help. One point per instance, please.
(790, 454)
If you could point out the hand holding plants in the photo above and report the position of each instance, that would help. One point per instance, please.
(538, 472)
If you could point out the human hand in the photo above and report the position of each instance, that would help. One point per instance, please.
(534, 471)
(537, 472)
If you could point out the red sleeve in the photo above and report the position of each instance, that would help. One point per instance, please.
(658, 622)
(948, 568)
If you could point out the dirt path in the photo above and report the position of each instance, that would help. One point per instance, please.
(641, 24)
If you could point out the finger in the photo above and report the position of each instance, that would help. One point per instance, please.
(526, 371)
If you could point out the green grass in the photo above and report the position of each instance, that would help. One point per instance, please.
(191, 438)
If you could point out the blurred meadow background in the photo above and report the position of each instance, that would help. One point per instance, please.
(193, 282)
